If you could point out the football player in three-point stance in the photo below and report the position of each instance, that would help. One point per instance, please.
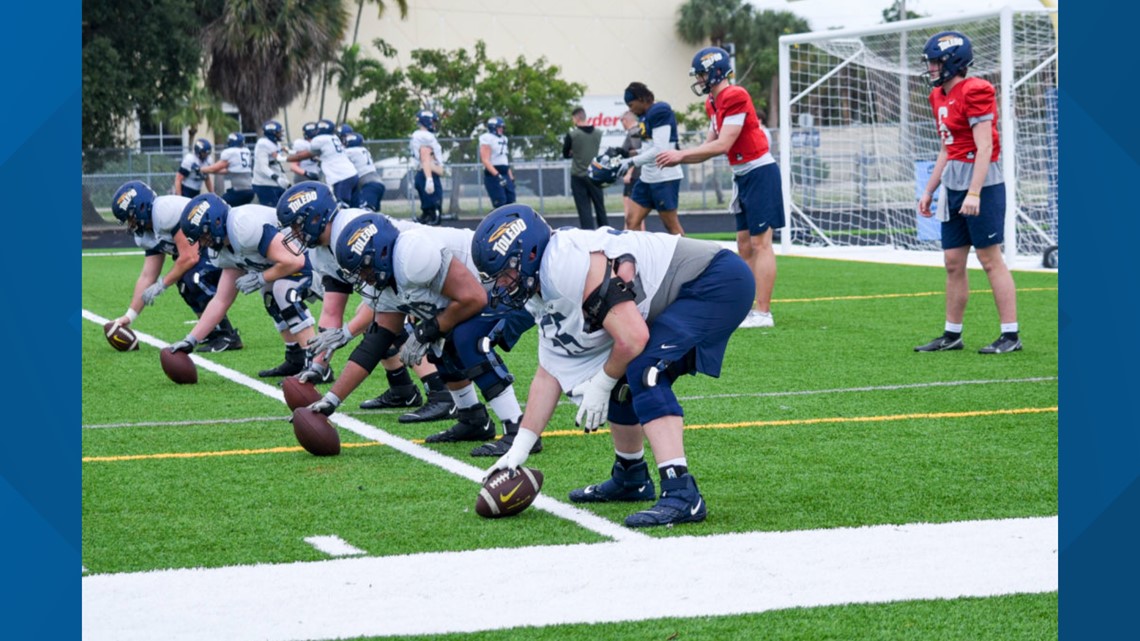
(620, 315)
(154, 222)
(427, 273)
(246, 243)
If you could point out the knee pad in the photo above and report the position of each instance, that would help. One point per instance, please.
(377, 341)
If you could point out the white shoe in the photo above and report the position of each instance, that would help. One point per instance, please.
(757, 319)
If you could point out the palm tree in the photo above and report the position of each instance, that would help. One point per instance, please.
(713, 21)
(347, 70)
(402, 5)
(262, 53)
(199, 106)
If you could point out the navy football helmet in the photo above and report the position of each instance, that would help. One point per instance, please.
(343, 130)
(202, 149)
(308, 130)
(304, 210)
(711, 66)
(495, 124)
(133, 205)
(507, 250)
(353, 139)
(273, 130)
(366, 248)
(428, 119)
(204, 220)
(326, 127)
(953, 50)
(604, 169)
(236, 139)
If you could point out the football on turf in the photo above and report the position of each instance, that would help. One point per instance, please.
(508, 492)
(315, 433)
(178, 366)
(121, 338)
(298, 394)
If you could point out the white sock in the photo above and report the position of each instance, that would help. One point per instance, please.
(954, 328)
(1009, 328)
(506, 406)
(465, 397)
(674, 461)
(631, 456)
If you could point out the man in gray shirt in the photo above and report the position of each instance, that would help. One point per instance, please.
(582, 144)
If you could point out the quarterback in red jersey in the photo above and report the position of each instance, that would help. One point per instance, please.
(758, 198)
(965, 110)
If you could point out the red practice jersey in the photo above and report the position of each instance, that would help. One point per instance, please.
(970, 98)
(731, 101)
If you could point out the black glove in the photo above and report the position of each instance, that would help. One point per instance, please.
(312, 175)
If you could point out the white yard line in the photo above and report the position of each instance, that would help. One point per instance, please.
(333, 545)
(436, 593)
(136, 252)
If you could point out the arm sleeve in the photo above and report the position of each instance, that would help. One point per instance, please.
(650, 148)
(566, 147)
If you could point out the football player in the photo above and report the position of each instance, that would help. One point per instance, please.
(307, 169)
(154, 221)
(236, 163)
(311, 218)
(369, 188)
(428, 154)
(326, 147)
(426, 273)
(497, 176)
(657, 187)
(621, 315)
(269, 181)
(245, 242)
(189, 178)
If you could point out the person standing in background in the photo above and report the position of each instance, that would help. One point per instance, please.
(236, 163)
(581, 145)
(189, 178)
(493, 153)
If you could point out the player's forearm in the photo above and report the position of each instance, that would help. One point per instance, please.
(541, 400)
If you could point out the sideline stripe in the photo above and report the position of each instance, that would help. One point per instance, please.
(583, 518)
(120, 253)
(722, 574)
(548, 433)
(820, 299)
(333, 546)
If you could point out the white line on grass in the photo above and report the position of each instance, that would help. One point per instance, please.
(101, 254)
(568, 584)
(333, 546)
(585, 519)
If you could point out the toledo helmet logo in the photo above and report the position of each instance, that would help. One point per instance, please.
(505, 235)
(199, 212)
(709, 58)
(301, 198)
(947, 41)
(125, 200)
(359, 240)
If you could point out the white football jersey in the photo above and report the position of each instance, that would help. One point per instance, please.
(239, 168)
(566, 350)
(334, 162)
(166, 216)
(322, 257)
(194, 177)
(265, 162)
(307, 164)
(498, 145)
(246, 227)
(424, 138)
(421, 262)
(361, 159)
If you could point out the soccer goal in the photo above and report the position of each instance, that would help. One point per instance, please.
(857, 139)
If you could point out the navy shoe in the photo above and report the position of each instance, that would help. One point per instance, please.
(474, 425)
(401, 396)
(633, 484)
(941, 344)
(680, 502)
(1002, 345)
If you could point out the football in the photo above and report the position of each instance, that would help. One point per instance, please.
(121, 338)
(298, 394)
(315, 433)
(178, 366)
(508, 492)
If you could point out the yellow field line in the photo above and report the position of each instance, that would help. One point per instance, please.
(549, 433)
(820, 299)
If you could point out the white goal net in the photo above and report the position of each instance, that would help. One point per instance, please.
(857, 138)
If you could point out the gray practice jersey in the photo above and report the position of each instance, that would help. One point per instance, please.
(361, 159)
(421, 263)
(334, 162)
(249, 228)
(166, 215)
(265, 162)
(239, 169)
(193, 178)
(424, 138)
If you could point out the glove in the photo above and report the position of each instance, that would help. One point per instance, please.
(251, 282)
(152, 292)
(429, 186)
(282, 181)
(312, 175)
(413, 351)
(503, 182)
(186, 345)
(314, 373)
(329, 341)
(281, 157)
(327, 405)
(624, 166)
(516, 456)
(595, 400)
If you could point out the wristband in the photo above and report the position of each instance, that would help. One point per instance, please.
(973, 193)
(525, 439)
(131, 314)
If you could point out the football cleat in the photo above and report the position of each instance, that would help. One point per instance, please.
(222, 342)
(757, 319)
(680, 502)
(1002, 345)
(474, 425)
(439, 406)
(633, 484)
(401, 396)
(941, 344)
(500, 447)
